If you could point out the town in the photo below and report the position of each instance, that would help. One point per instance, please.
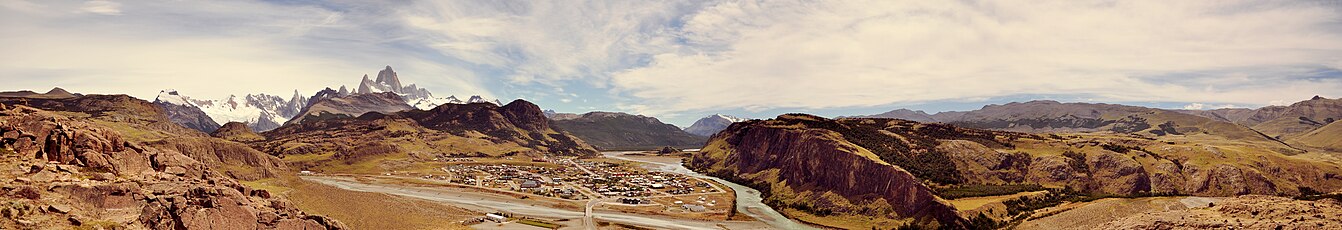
(619, 185)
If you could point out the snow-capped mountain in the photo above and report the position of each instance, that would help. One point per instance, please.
(710, 125)
(388, 81)
(261, 112)
(181, 111)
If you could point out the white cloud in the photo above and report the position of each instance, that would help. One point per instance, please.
(102, 7)
(208, 49)
(1195, 106)
(775, 54)
(674, 58)
(541, 41)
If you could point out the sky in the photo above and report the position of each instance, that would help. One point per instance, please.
(682, 60)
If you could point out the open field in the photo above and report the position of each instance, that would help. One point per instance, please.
(364, 210)
(1089, 215)
(971, 203)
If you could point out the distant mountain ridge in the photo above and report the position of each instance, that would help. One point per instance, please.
(264, 112)
(1281, 122)
(261, 112)
(1044, 116)
(328, 104)
(710, 125)
(610, 130)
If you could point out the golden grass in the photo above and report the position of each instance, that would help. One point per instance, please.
(363, 210)
(131, 133)
(971, 203)
(844, 221)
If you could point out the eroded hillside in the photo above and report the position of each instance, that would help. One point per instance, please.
(66, 172)
(946, 158)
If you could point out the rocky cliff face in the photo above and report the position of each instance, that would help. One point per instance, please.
(817, 170)
(63, 172)
(608, 130)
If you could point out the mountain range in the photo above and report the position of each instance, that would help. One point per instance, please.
(856, 173)
(259, 111)
(264, 112)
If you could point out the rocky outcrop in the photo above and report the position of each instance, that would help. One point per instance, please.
(237, 131)
(120, 109)
(816, 170)
(88, 176)
(608, 130)
(231, 158)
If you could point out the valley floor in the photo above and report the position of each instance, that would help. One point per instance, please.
(536, 208)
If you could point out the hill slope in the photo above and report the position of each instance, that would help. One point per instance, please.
(144, 123)
(375, 142)
(607, 130)
(798, 160)
(1281, 122)
(1328, 137)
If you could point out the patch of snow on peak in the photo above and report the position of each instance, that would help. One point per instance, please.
(171, 96)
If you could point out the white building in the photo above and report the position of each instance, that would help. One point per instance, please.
(496, 217)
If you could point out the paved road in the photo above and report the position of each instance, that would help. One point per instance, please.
(587, 214)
